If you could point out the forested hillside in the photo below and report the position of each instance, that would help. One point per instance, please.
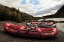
(12, 14)
(58, 14)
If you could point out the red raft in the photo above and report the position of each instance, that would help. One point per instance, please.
(30, 32)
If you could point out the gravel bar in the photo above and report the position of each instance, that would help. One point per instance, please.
(5, 37)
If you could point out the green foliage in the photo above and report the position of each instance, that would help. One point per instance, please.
(12, 14)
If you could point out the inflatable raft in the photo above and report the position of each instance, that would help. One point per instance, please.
(38, 32)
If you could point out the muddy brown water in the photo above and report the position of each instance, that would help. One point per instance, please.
(5, 37)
